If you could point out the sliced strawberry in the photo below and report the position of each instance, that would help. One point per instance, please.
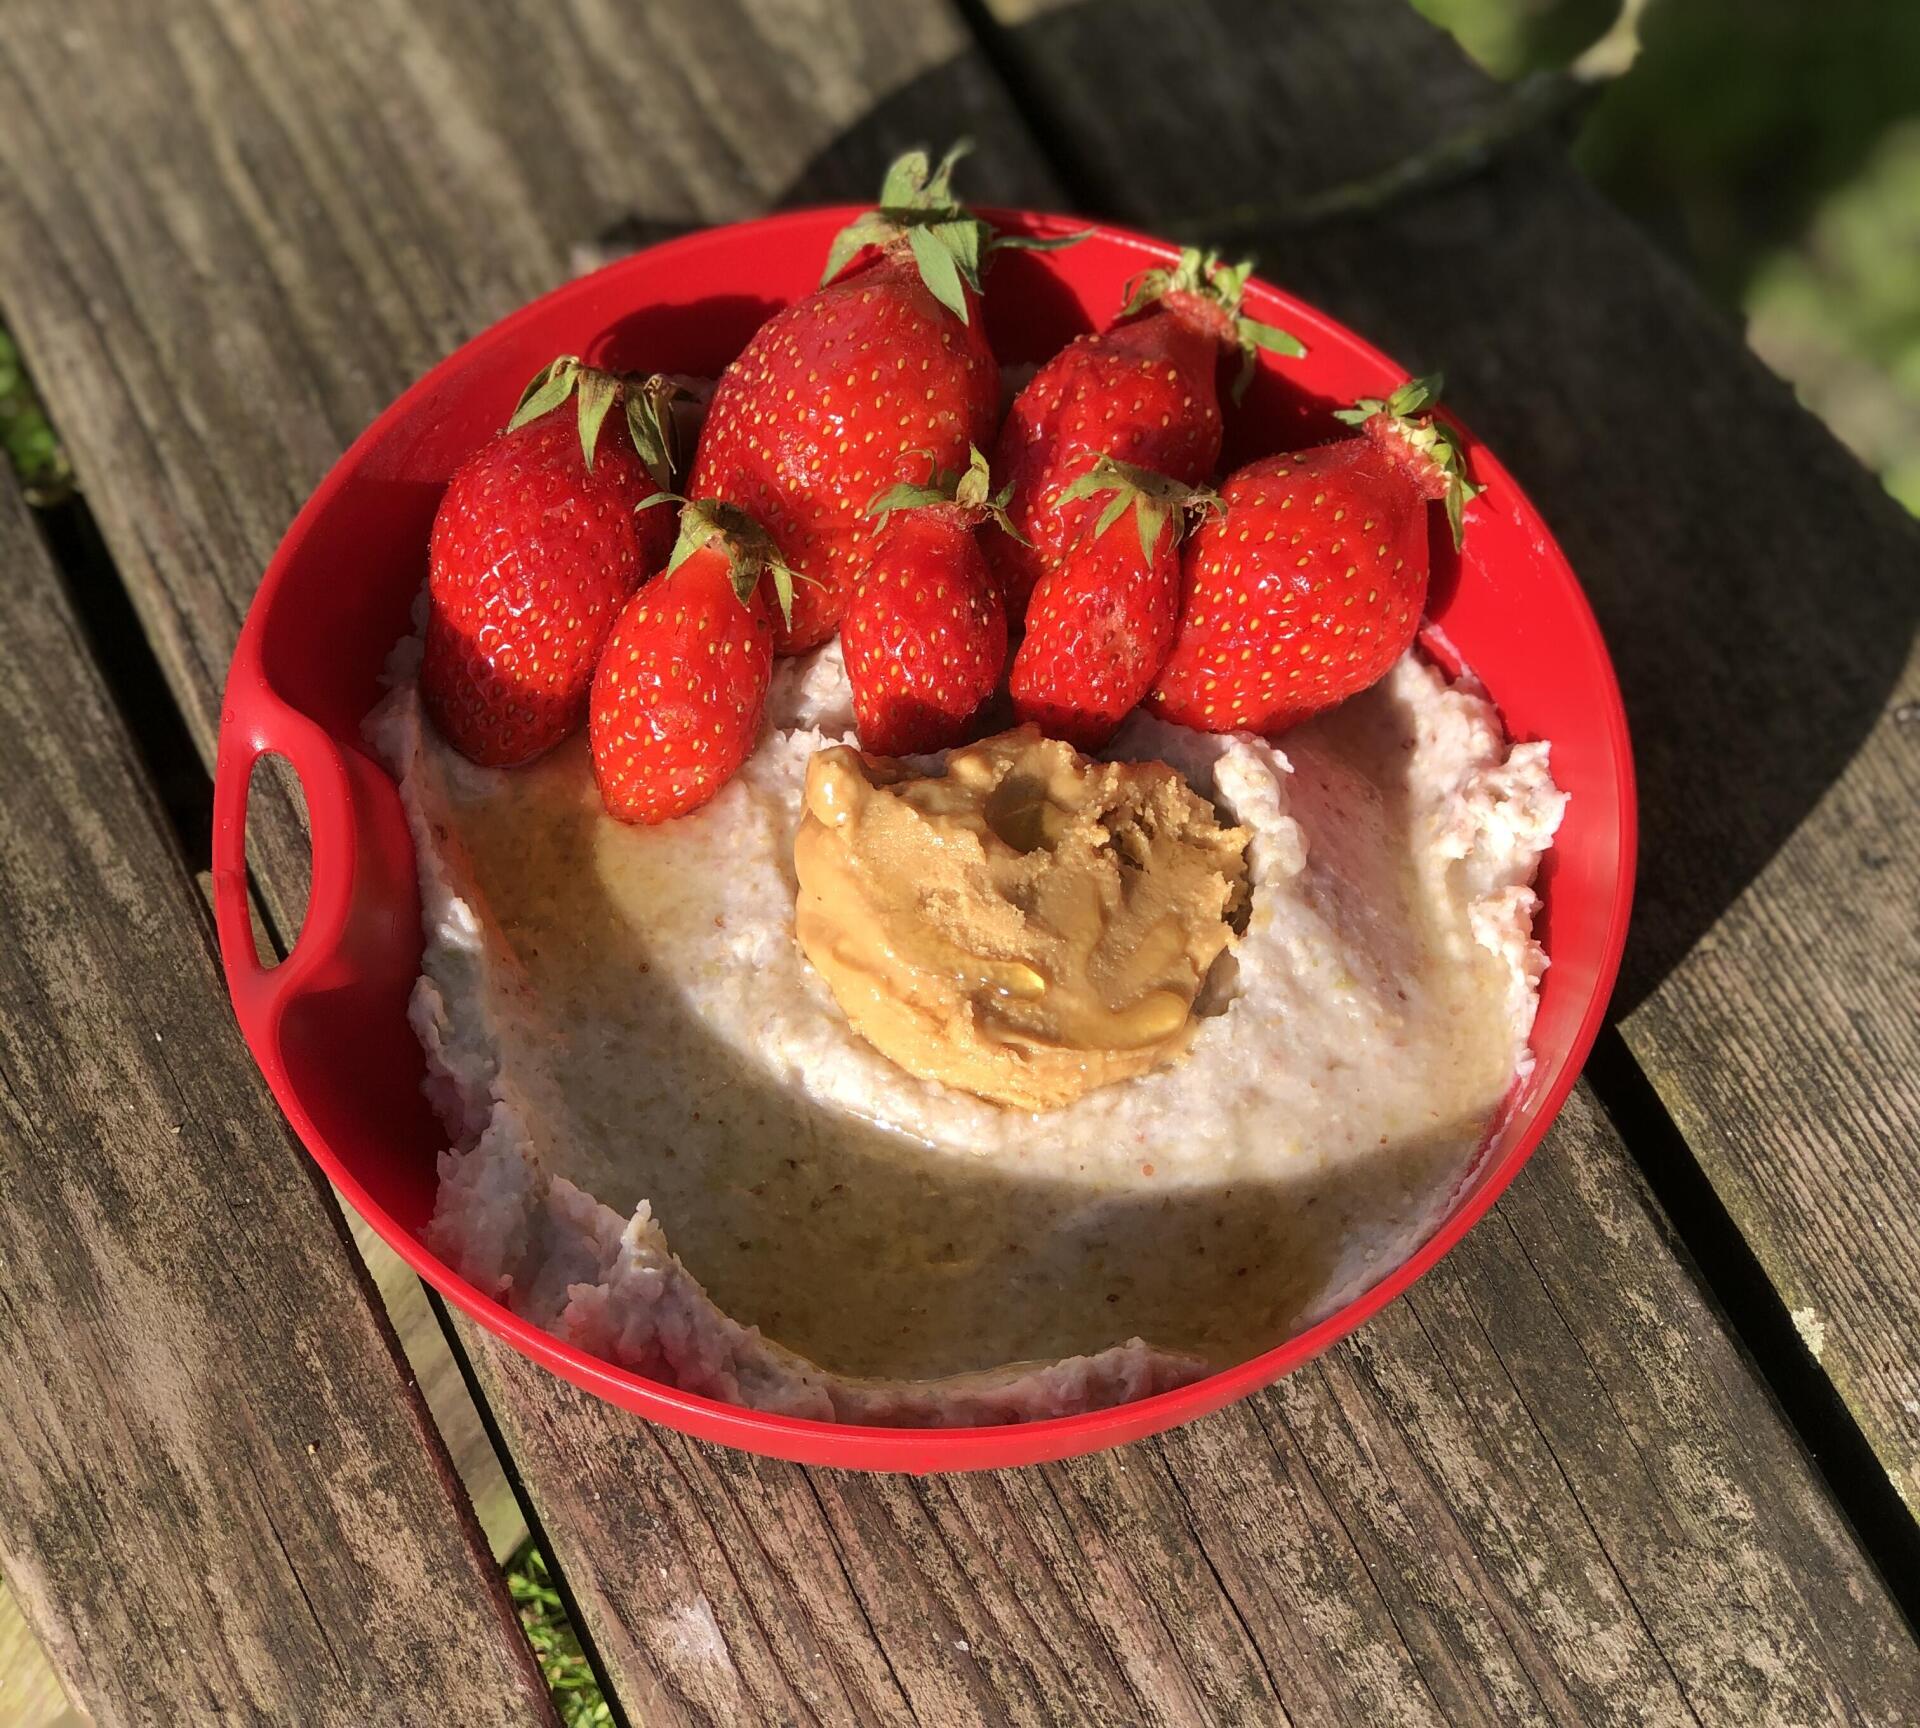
(925, 635)
(681, 687)
(1142, 391)
(845, 393)
(538, 540)
(1102, 621)
(1310, 585)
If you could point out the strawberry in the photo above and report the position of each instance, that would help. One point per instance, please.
(841, 395)
(1101, 622)
(679, 693)
(1310, 585)
(1142, 391)
(537, 542)
(925, 635)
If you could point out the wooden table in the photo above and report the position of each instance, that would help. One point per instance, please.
(1646, 1448)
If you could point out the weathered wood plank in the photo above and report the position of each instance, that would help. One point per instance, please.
(1431, 1525)
(1757, 588)
(423, 1341)
(1787, 1047)
(215, 1460)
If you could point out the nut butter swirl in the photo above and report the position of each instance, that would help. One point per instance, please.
(1026, 926)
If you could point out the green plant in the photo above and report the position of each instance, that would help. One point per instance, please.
(28, 439)
(1774, 146)
(556, 1646)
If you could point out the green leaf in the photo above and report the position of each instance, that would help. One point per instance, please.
(1416, 394)
(916, 199)
(974, 488)
(1152, 496)
(939, 270)
(1243, 376)
(1228, 282)
(962, 240)
(906, 180)
(1361, 412)
(1097, 479)
(872, 229)
(743, 571)
(1113, 512)
(906, 496)
(597, 391)
(652, 438)
(1271, 337)
(547, 389)
(750, 550)
(691, 539)
(1456, 513)
(700, 521)
(1150, 518)
(782, 589)
(1194, 268)
(997, 514)
(940, 186)
(1144, 289)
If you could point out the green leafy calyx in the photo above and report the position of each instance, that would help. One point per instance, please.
(656, 410)
(1207, 276)
(917, 204)
(1409, 408)
(1154, 499)
(750, 551)
(950, 245)
(971, 488)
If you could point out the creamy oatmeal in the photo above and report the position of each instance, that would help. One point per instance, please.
(669, 1144)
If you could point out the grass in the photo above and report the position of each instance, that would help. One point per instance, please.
(31, 448)
(556, 1646)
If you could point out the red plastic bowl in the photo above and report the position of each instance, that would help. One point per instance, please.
(328, 1025)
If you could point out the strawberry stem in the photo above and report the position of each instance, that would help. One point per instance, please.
(749, 548)
(1205, 278)
(661, 412)
(969, 488)
(1154, 499)
(918, 209)
(1406, 417)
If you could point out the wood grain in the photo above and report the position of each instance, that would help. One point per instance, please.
(1787, 1047)
(1756, 588)
(416, 1324)
(216, 1464)
(1546, 1488)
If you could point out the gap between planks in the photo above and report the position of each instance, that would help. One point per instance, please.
(1737, 1284)
(139, 692)
(29, 1690)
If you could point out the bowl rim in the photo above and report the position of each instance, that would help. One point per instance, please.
(262, 996)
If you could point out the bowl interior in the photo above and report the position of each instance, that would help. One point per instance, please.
(338, 596)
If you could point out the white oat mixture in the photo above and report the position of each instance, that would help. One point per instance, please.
(626, 1045)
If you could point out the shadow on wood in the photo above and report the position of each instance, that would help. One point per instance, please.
(1755, 586)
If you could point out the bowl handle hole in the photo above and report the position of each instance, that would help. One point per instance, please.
(278, 852)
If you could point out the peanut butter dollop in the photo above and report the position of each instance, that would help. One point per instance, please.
(1026, 926)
